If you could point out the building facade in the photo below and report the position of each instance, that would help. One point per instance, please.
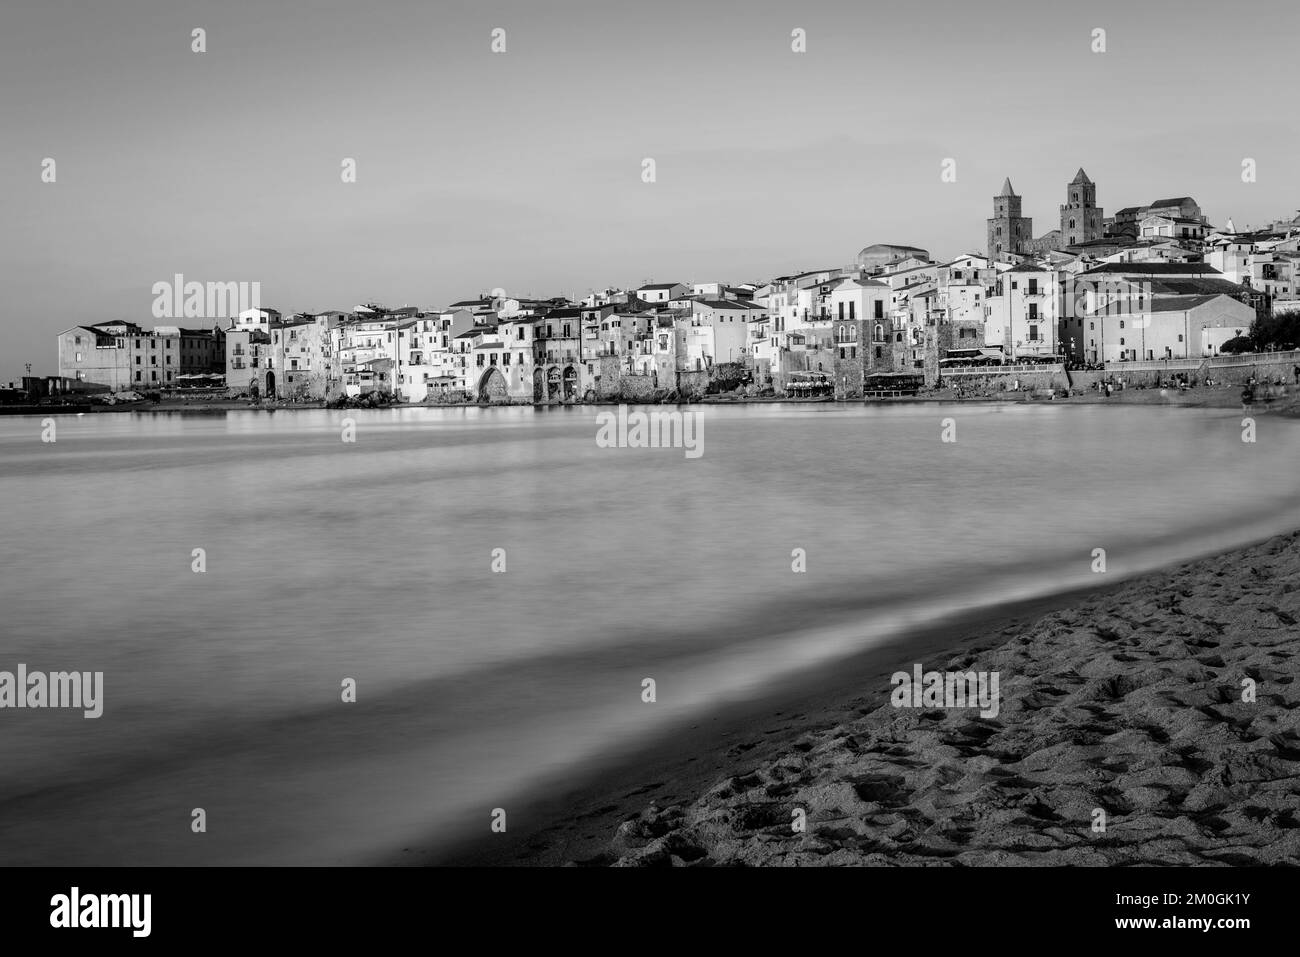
(1008, 230)
(1081, 217)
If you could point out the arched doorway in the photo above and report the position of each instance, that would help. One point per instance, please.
(570, 384)
(492, 387)
(553, 385)
(270, 385)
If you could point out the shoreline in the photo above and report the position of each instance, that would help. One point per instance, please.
(1225, 397)
(699, 750)
(1123, 696)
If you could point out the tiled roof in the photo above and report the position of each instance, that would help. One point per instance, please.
(1197, 286)
(1156, 269)
(1181, 303)
(722, 304)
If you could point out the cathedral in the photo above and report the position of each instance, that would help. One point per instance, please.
(1010, 233)
(1080, 215)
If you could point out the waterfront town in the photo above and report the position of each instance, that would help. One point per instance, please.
(1154, 292)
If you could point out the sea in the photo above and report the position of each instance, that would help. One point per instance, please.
(329, 636)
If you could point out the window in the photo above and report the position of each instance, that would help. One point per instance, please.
(1033, 333)
(852, 309)
(879, 309)
(78, 356)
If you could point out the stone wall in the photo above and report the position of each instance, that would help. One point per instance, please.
(992, 381)
(1237, 370)
(692, 384)
(637, 388)
(1230, 370)
(611, 384)
(848, 377)
(609, 373)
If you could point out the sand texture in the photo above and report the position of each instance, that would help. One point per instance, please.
(1129, 703)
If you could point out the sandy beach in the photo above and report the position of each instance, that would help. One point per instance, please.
(1122, 738)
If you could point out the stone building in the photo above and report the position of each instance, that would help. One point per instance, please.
(1081, 217)
(1008, 230)
(874, 258)
(122, 355)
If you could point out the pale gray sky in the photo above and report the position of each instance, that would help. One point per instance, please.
(522, 169)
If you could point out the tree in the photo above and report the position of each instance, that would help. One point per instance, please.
(1281, 330)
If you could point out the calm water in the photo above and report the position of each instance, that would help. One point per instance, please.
(372, 561)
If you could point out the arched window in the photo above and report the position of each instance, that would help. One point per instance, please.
(879, 334)
(898, 337)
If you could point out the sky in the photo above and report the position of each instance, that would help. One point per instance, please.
(523, 169)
